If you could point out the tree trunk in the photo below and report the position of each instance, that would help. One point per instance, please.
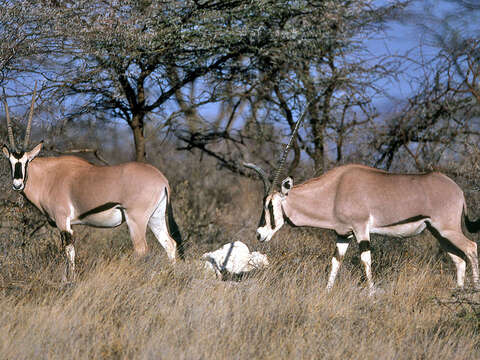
(318, 132)
(138, 137)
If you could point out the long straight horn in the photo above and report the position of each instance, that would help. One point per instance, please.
(9, 123)
(262, 174)
(30, 116)
(281, 164)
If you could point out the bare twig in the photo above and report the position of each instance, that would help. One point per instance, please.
(93, 151)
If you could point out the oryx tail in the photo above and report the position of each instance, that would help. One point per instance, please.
(172, 227)
(473, 226)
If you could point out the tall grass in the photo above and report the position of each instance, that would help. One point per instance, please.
(143, 308)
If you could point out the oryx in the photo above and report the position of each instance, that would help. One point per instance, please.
(356, 201)
(70, 190)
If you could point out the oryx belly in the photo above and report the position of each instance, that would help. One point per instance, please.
(406, 229)
(108, 215)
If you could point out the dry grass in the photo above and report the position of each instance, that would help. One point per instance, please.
(123, 307)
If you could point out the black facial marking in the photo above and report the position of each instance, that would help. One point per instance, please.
(287, 185)
(262, 222)
(272, 217)
(17, 172)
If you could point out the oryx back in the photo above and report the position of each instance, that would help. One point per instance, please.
(355, 194)
(90, 194)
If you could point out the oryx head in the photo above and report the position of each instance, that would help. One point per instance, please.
(19, 159)
(273, 217)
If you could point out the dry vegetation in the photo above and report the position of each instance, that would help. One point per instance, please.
(132, 62)
(125, 307)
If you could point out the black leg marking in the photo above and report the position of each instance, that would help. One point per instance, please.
(69, 256)
(364, 245)
(67, 238)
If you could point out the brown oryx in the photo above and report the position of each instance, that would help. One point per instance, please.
(356, 201)
(70, 191)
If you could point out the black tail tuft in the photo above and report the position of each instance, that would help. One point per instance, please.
(174, 231)
(472, 226)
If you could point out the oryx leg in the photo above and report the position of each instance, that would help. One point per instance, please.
(137, 225)
(158, 225)
(69, 251)
(341, 247)
(362, 235)
(460, 265)
(460, 247)
(66, 234)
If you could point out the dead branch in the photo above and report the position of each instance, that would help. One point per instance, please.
(95, 152)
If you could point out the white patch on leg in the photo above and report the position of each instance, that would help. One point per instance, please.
(68, 221)
(366, 258)
(333, 273)
(461, 274)
(460, 265)
(70, 252)
(342, 248)
(367, 262)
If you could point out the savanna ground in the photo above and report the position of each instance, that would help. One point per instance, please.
(143, 308)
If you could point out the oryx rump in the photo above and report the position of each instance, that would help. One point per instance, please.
(356, 201)
(70, 190)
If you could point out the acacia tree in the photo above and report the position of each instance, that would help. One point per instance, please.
(137, 60)
(116, 56)
(440, 120)
(323, 66)
(22, 36)
(131, 58)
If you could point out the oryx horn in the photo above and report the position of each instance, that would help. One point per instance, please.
(9, 123)
(30, 116)
(263, 175)
(281, 164)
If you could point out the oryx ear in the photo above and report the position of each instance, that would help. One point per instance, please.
(6, 151)
(287, 184)
(32, 154)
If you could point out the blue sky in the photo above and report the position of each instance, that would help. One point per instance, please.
(418, 34)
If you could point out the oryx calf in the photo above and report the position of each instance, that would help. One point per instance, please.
(356, 201)
(70, 190)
